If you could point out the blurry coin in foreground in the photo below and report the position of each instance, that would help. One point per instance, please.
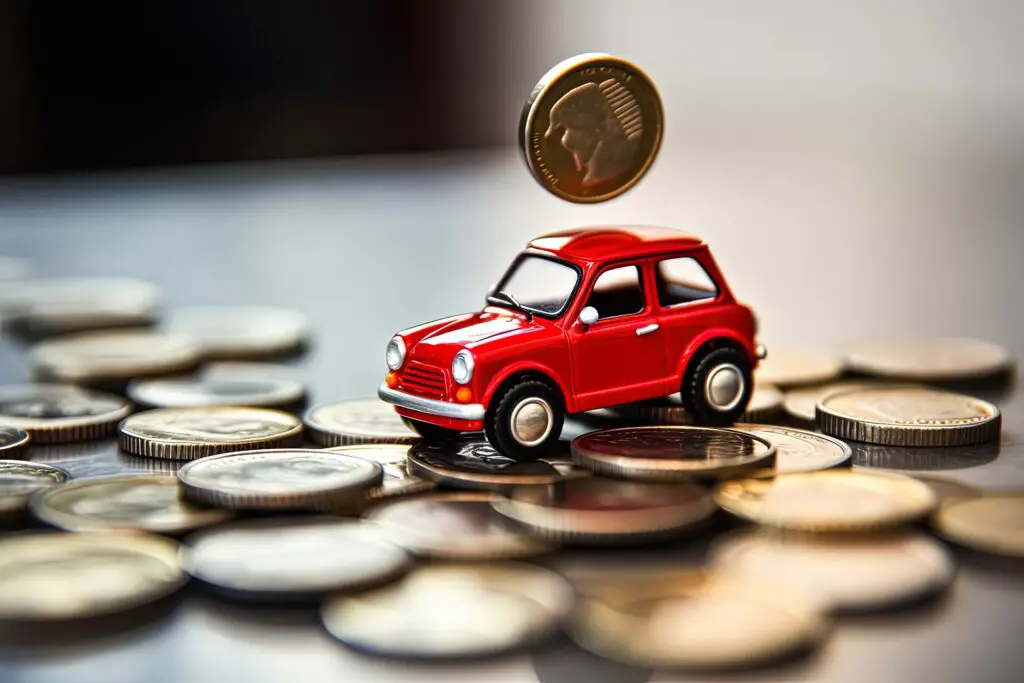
(698, 621)
(801, 403)
(470, 462)
(454, 526)
(830, 500)
(191, 433)
(677, 453)
(929, 360)
(947, 490)
(909, 416)
(798, 367)
(77, 304)
(226, 390)
(52, 413)
(392, 457)
(240, 331)
(13, 268)
(765, 403)
(367, 420)
(993, 523)
(130, 502)
(12, 441)
(798, 450)
(61, 576)
(284, 479)
(852, 572)
(20, 479)
(101, 358)
(452, 611)
(595, 511)
(291, 557)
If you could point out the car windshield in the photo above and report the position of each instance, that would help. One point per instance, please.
(540, 285)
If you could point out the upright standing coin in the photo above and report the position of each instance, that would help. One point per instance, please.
(397, 479)
(854, 572)
(279, 479)
(361, 421)
(797, 367)
(77, 304)
(263, 392)
(146, 502)
(929, 360)
(591, 128)
(909, 416)
(992, 523)
(595, 510)
(454, 526)
(12, 441)
(19, 480)
(798, 450)
(56, 576)
(765, 403)
(469, 462)
(831, 500)
(241, 331)
(672, 453)
(291, 558)
(55, 414)
(801, 403)
(190, 433)
(102, 357)
(448, 611)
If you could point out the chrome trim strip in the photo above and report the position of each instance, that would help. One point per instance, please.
(457, 411)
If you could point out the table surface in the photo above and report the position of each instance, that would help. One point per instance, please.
(825, 254)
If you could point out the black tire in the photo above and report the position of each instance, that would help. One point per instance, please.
(498, 421)
(429, 431)
(692, 392)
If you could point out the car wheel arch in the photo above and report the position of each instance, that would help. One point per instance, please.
(705, 344)
(513, 376)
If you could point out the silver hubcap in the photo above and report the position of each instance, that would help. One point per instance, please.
(724, 387)
(531, 421)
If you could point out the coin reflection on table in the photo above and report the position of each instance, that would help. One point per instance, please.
(470, 462)
(869, 456)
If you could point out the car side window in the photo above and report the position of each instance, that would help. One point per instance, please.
(617, 291)
(683, 281)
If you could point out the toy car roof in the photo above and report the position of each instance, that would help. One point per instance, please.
(625, 241)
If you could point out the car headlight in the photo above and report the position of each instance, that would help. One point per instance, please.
(462, 367)
(395, 354)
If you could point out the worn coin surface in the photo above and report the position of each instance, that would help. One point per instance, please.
(240, 390)
(144, 502)
(595, 510)
(295, 478)
(853, 572)
(470, 462)
(909, 416)
(76, 304)
(97, 357)
(12, 441)
(798, 450)
(591, 128)
(454, 526)
(190, 433)
(993, 523)
(698, 621)
(676, 453)
(53, 413)
(292, 557)
(929, 359)
(360, 421)
(449, 611)
(240, 331)
(392, 457)
(830, 500)
(765, 402)
(797, 367)
(19, 480)
(801, 403)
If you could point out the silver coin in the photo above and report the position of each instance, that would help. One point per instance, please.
(225, 390)
(798, 450)
(129, 502)
(190, 433)
(448, 611)
(292, 557)
(19, 480)
(12, 441)
(240, 331)
(470, 462)
(357, 421)
(929, 359)
(96, 357)
(63, 305)
(279, 479)
(765, 402)
(397, 479)
(801, 403)
(53, 413)
(798, 367)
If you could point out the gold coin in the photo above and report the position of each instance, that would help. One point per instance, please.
(798, 450)
(131, 502)
(909, 416)
(801, 403)
(830, 500)
(929, 360)
(798, 367)
(591, 128)
(698, 620)
(993, 523)
(392, 457)
(360, 421)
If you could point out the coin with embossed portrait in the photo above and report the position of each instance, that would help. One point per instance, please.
(20, 480)
(190, 433)
(798, 450)
(357, 421)
(53, 413)
(591, 128)
(470, 462)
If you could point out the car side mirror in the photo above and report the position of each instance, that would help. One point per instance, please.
(588, 316)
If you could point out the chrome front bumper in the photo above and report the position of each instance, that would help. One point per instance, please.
(456, 411)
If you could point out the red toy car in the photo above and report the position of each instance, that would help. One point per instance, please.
(582, 319)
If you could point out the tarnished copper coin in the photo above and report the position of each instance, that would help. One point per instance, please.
(591, 128)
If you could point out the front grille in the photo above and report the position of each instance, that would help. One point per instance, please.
(423, 380)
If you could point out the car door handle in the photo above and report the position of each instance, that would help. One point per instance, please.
(647, 329)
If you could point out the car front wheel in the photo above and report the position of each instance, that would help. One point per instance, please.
(716, 390)
(525, 421)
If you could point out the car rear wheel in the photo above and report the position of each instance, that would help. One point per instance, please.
(428, 431)
(717, 386)
(525, 421)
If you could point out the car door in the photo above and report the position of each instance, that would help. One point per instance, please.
(620, 357)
